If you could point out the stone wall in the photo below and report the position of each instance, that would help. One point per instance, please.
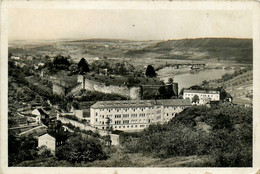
(58, 89)
(81, 126)
(133, 93)
(75, 89)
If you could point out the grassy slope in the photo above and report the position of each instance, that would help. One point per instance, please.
(124, 160)
(240, 50)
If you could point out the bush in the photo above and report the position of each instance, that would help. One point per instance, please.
(228, 139)
(78, 150)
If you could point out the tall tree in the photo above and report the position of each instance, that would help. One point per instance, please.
(150, 72)
(195, 99)
(83, 65)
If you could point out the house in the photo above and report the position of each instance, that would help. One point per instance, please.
(15, 57)
(203, 96)
(97, 58)
(48, 141)
(134, 115)
(41, 116)
(52, 140)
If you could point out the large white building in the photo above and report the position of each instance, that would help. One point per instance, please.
(204, 96)
(132, 115)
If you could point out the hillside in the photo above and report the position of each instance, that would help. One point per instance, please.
(239, 50)
(230, 49)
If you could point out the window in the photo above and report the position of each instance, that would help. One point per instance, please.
(96, 114)
(126, 122)
(125, 115)
(117, 122)
(141, 115)
(117, 116)
(133, 115)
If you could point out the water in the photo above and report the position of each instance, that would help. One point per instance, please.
(186, 80)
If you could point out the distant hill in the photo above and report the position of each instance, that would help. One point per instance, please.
(240, 50)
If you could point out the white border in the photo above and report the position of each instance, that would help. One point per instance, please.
(142, 5)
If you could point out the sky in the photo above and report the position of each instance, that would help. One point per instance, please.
(27, 24)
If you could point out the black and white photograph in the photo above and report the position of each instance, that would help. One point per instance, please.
(124, 87)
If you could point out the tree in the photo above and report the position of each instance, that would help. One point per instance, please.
(133, 81)
(170, 80)
(195, 99)
(61, 62)
(150, 72)
(83, 65)
(78, 149)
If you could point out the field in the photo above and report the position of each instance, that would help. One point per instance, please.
(203, 49)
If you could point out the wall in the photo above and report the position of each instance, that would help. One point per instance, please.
(133, 93)
(81, 126)
(114, 139)
(48, 141)
(76, 89)
(57, 89)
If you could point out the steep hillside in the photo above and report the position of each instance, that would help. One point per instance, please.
(239, 50)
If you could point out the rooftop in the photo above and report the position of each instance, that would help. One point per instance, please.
(200, 91)
(141, 103)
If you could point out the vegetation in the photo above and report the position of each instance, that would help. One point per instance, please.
(99, 96)
(150, 72)
(78, 149)
(227, 76)
(223, 132)
(83, 65)
(195, 99)
(20, 149)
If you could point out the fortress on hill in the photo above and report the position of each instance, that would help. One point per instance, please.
(131, 92)
(134, 92)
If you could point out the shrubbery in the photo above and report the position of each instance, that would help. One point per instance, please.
(227, 138)
(78, 150)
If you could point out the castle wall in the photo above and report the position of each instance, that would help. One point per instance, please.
(129, 92)
(76, 89)
(57, 89)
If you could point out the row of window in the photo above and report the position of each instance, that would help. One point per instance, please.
(135, 115)
(204, 95)
(129, 126)
(126, 109)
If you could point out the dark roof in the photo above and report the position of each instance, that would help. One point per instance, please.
(141, 103)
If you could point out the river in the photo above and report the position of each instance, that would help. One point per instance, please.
(185, 79)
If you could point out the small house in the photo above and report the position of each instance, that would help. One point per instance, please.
(41, 116)
(48, 141)
(52, 140)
